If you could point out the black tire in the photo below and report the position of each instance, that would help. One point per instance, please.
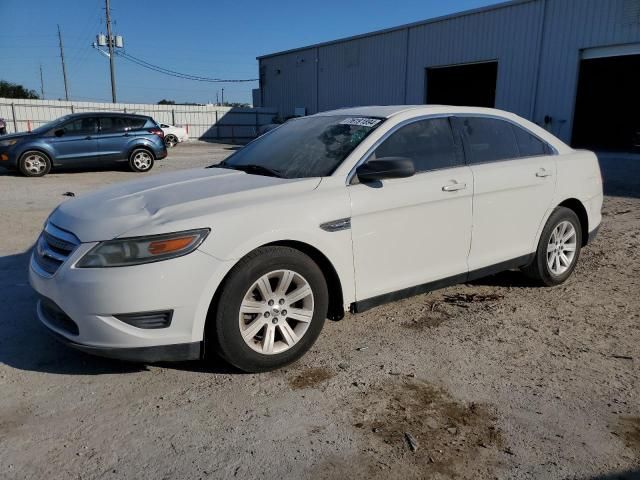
(141, 160)
(29, 160)
(539, 269)
(223, 331)
(171, 141)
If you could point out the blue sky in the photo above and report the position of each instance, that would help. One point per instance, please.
(213, 38)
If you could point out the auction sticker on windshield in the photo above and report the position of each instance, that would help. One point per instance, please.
(361, 121)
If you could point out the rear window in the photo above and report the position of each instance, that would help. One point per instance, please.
(114, 124)
(528, 144)
(136, 123)
(488, 139)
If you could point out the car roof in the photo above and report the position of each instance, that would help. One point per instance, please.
(105, 114)
(388, 111)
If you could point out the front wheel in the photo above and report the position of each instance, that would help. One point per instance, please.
(34, 164)
(271, 309)
(141, 160)
(558, 248)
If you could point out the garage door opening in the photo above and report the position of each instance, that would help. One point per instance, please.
(472, 85)
(607, 104)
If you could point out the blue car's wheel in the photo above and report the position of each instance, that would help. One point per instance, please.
(34, 164)
(141, 160)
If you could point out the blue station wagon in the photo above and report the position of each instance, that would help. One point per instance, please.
(85, 140)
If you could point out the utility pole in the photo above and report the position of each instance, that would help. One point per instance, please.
(223, 96)
(41, 83)
(217, 98)
(64, 68)
(110, 41)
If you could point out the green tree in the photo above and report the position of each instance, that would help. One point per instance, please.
(13, 90)
(164, 101)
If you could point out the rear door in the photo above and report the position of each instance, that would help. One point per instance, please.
(113, 138)
(417, 230)
(75, 143)
(514, 176)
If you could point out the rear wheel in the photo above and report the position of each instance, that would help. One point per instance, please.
(141, 160)
(34, 164)
(170, 141)
(271, 309)
(558, 249)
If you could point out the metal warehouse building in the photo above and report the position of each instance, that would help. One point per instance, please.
(572, 66)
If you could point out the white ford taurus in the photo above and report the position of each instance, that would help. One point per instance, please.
(342, 210)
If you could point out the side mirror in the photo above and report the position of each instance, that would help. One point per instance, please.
(59, 132)
(387, 167)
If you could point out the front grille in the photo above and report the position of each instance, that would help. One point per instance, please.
(53, 247)
(57, 318)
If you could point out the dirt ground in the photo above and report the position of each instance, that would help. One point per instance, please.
(492, 379)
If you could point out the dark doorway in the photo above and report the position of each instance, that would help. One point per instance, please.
(472, 85)
(607, 104)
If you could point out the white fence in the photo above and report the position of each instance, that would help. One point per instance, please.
(203, 122)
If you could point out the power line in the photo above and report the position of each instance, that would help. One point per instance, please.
(185, 76)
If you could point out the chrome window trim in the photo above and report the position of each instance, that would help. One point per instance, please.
(365, 157)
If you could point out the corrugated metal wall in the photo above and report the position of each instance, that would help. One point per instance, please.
(290, 81)
(509, 35)
(358, 71)
(201, 121)
(537, 43)
(571, 26)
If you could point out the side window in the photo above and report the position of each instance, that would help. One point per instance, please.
(429, 143)
(529, 145)
(112, 124)
(136, 123)
(488, 139)
(81, 126)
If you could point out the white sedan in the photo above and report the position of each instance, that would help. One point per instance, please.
(173, 135)
(339, 211)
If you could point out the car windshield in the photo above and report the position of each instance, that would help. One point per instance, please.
(49, 125)
(304, 147)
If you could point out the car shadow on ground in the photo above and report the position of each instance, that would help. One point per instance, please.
(510, 278)
(629, 475)
(26, 345)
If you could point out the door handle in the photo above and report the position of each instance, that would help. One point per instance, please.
(454, 187)
(543, 173)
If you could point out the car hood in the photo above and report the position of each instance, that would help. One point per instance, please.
(158, 203)
(15, 136)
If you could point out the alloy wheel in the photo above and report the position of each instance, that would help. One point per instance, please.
(561, 249)
(142, 160)
(276, 312)
(35, 164)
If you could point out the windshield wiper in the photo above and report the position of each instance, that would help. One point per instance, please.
(252, 168)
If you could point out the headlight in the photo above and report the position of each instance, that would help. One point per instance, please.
(8, 143)
(138, 250)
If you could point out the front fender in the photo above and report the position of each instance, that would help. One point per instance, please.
(35, 144)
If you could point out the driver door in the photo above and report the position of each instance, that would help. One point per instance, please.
(75, 142)
(414, 231)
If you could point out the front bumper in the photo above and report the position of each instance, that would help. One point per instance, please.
(8, 157)
(161, 353)
(91, 298)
